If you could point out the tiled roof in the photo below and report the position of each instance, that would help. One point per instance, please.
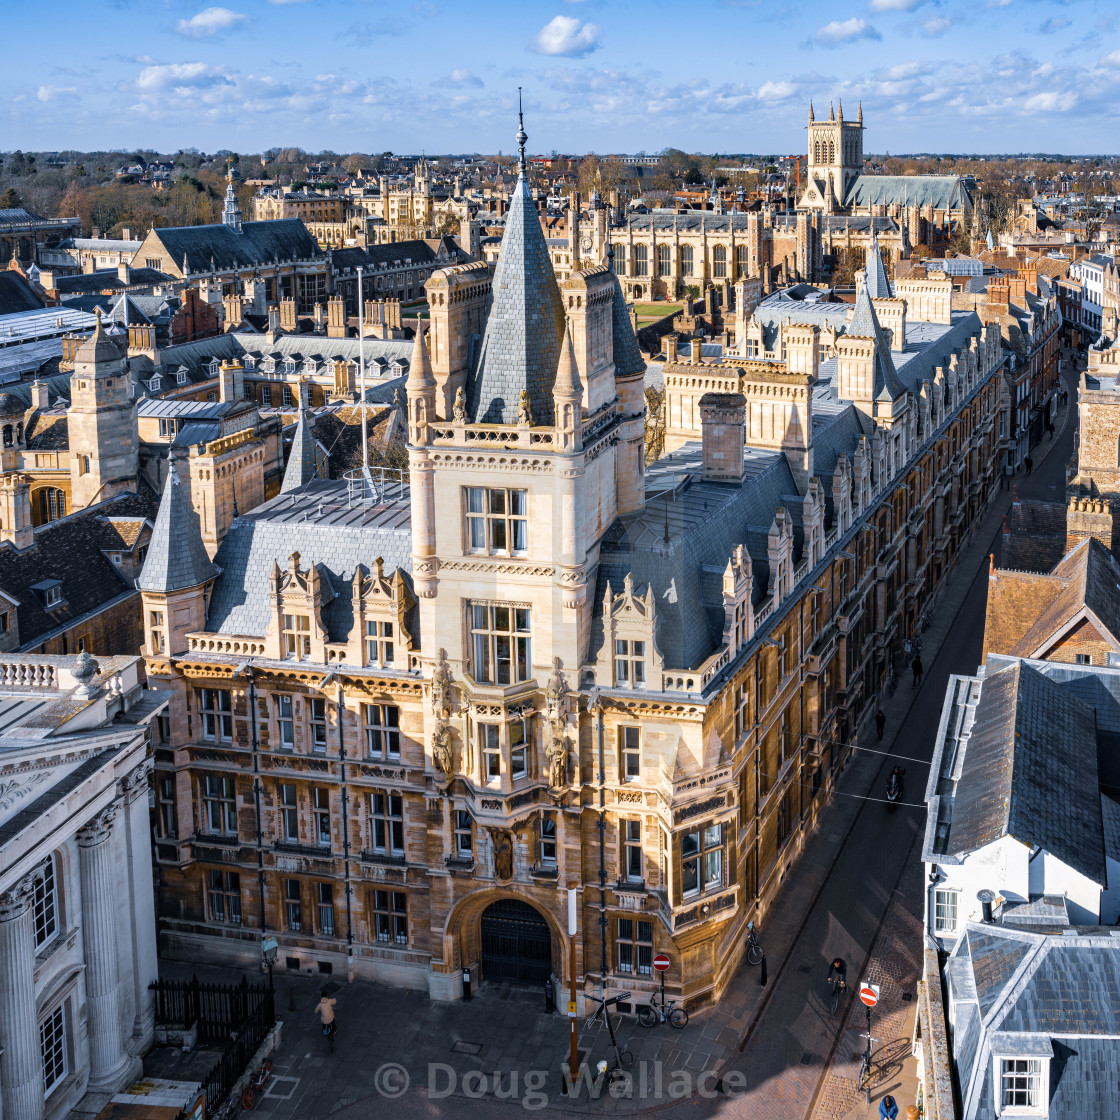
(176, 558)
(318, 523)
(879, 287)
(1035, 535)
(16, 294)
(521, 342)
(221, 248)
(628, 358)
(1030, 772)
(70, 550)
(940, 191)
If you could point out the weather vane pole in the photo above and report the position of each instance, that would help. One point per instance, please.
(521, 137)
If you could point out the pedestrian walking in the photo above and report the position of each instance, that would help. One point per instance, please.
(880, 723)
(906, 654)
(1028, 462)
(917, 667)
(325, 1010)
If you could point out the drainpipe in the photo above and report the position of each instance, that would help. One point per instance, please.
(597, 708)
(345, 839)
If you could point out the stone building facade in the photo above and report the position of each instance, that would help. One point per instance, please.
(407, 721)
(77, 927)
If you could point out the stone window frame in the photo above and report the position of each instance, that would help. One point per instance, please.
(293, 905)
(319, 722)
(379, 643)
(629, 662)
(284, 712)
(382, 722)
(223, 885)
(462, 829)
(486, 523)
(287, 805)
(630, 832)
(491, 631)
(217, 719)
(629, 751)
(392, 907)
(386, 809)
(218, 793)
(321, 816)
(706, 850)
(630, 944)
(324, 906)
(46, 908)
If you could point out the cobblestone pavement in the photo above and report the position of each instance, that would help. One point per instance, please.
(857, 891)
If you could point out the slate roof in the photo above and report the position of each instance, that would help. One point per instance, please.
(17, 215)
(220, 248)
(17, 295)
(301, 468)
(703, 522)
(1030, 772)
(521, 342)
(1040, 995)
(1026, 611)
(71, 550)
(176, 558)
(865, 324)
(1034, 535)
(317, 522)
(875, 273)
(393, 255)
(628, 360)
(940, 191)
(85, 283)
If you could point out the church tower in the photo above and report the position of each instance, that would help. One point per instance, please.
(104, 456)
(835, 158)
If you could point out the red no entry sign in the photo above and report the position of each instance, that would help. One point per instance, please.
(869, 993)
(661, 962)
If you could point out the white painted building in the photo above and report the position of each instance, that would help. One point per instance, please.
(1014, 795)
(1089, 271)
(77, 919)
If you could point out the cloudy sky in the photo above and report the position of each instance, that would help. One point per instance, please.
(598, 75)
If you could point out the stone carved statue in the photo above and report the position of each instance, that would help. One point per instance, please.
(441, 750)
(441, 687)
(459, 408)
(524, 412)
(557, 753)
(556, 695)
(502, 840)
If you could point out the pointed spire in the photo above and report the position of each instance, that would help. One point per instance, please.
(840, 113)
(568, 385)
(301, 468)
(859, 112)
(524, 329)
(865, 324)
(420, 375)
(831, 114)
(876, 272)
(177, 558)
(231, 213)
(811, 117)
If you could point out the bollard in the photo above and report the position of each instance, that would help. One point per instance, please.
(762, 972)
(466, 984)
(549, 998)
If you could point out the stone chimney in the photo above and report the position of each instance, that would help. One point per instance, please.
(288, 315)
(723, 434)
(1029, 276)
(695, 355)
(336, 318)
(669, 345)
(124, 272)
(1017, 290)
(1088, 517)
(40, 395)
(126, 233)
(231, 381)
(999, 298)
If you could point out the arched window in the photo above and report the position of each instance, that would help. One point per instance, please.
(52, 504)
(831, 152)
(663, 262)
(19, 432)
(620, 260)
(641, 260)
(719, 262)
(686, 260)
(7, 435)
(817, 152)
(743, 258)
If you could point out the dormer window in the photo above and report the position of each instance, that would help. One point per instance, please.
(214, 366)
(268, 365)
(297, 637)
(181, 377)
(379, 644)
(629, 663)
(155, 384)
(1021, 1086)
(249, 362)
(289, 365)
(49, 592)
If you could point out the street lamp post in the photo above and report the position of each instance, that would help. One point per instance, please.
(268, 951)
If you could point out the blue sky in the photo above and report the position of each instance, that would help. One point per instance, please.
(598, 75)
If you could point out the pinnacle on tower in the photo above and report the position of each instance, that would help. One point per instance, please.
(301, 468)
(176, 557)
(231, 212)
(840, 113)
(859, 113)
(811, 117)
(831, 114)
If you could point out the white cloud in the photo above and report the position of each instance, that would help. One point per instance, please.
(566, 35)
(210, 22)
(775, 91)
(180, 75)
(893, 5)
(278, 2)
(838, 32)
(1050, 102)
(1111, 59)
(53, 93)
(938, 25)
(464, 78)
(999, 3)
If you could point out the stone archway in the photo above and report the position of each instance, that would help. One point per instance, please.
(516, 945)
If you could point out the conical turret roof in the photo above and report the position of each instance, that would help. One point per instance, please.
(301, 468)
(876, 273)
(177, 558)
(521, 343)
(865, 324)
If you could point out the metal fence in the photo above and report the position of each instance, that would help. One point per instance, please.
(239, 1015)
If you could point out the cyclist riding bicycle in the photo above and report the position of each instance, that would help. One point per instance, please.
(840, 968)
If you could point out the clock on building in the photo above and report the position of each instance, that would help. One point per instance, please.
(585, 241)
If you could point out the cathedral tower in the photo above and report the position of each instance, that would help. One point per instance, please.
(835, 158)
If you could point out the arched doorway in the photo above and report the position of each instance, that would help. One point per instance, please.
(516, 943)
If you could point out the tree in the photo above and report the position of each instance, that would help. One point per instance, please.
(693, 176)
(11, 200)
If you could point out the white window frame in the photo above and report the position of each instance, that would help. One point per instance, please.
(494, 526)
(219, 790)
(285, 721)
(630, 752)
(296, 636)
(633, 858)
(379, 643)
(53, 1049)
(630, 662)
(382, 726)
(321, 816)
(501, 642)
(945, 897)
(45, 908)
(489, 736)
(464, 834)
(386, 822)
(288, 801)
(215, 705)
(1021, 1074)
(546, 840)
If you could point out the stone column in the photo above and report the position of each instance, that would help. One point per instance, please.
(108, 1062)
(21, 1064)
(145, 968)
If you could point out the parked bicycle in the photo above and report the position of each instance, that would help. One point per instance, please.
(838, 988)
(755, 951)
(254, 1090)
(661, 1010)
(621, 1060)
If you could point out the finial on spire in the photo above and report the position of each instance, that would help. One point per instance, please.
(859, 112)
(811, 117)
(521, 136)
